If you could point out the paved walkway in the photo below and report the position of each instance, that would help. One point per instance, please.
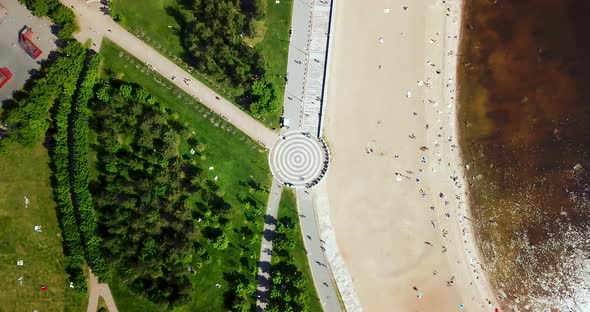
(299, 159)
(268, 233)
(319, 265)
(95, 290)
(94, 25)
(306, 66)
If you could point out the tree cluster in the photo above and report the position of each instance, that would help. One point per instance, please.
(59, 13)
(213, 36)
(289, 286)
(70, 174)
(143, 193)
(264, 98)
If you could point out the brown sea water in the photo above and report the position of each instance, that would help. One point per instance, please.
(524, 112)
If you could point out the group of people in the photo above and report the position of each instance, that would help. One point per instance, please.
(326, 164)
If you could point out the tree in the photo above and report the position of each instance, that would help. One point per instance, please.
(212, 33)
(264, 97)
(142, 195)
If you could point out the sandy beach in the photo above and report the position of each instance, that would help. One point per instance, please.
(395, 193)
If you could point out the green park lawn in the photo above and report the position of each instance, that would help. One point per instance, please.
(235, 160)
(25, 172)
(272, 36)
(139, 15)
(288, 209)
(275, 45)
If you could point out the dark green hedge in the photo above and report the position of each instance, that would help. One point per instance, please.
(60, 162)
(81, 172)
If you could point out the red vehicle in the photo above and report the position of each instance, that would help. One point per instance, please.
(5, 75)
(24, 40)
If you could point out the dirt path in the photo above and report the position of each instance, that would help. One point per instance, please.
(95, 290)
(94, 25)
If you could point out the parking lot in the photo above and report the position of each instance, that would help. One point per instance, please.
(12, 55)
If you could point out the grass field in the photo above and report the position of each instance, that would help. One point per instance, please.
(141, 14)
(272, 35)
(25, 172)
(275, 45)
(288, 209)
(235, 159)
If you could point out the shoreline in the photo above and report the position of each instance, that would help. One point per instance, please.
(473, 241)
(375, 268)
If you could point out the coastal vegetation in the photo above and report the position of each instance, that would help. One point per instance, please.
(148, 191)
(192, 220)
(235, 57)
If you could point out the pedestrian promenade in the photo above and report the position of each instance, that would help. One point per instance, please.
(326, 287)
(308, 51)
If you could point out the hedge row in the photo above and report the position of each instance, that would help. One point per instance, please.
(80, 171)
(60, 159)
(72, 241)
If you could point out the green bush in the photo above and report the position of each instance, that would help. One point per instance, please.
(264, 98)
(59, 14)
